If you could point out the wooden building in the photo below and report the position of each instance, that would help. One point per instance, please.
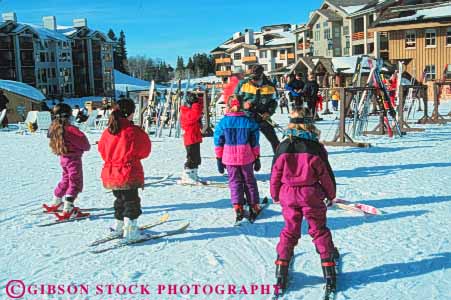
(420, 37)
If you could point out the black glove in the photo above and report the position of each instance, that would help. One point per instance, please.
(257, 165)
(221, 167)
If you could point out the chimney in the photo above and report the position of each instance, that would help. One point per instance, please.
(236, 35)
(249, 36)
(49, 22)
(80, 22)
(9, 16)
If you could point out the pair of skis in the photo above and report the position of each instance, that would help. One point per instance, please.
(356, 207)
(145, 237)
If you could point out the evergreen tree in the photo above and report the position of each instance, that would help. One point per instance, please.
(179, 71)
(112, 35)
(121, 53)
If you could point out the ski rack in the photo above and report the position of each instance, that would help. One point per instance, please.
(436, 117)
(342, 138)
(401, 105)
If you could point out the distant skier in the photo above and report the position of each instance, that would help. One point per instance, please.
(257, 95)
(69, 143)
(310, 92)
(3, 109)
(122, 147)
(190, 121)
(301, 179)
(237, 149)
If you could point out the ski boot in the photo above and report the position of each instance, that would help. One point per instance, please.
(118, 229)
(329, 272)
(70, 211)
(55, 206)
(239, 213)
(282, 267)
(254, 211)
(131, 230)
(190, 177)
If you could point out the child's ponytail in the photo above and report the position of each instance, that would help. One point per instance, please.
(62, 112)
(124, 108)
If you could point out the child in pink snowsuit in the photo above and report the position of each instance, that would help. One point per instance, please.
(69, 143)
(301, 179)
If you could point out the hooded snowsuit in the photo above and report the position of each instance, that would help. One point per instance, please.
(301, 179)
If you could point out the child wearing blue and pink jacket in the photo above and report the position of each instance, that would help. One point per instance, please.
(237, 149)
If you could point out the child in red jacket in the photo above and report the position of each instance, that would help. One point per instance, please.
(122, 147)
(190, 121)
(69, 143)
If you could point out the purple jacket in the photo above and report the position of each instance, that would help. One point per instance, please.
(302, 162)
(75, 141)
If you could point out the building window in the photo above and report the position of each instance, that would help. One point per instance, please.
(411, 39)
(430, 38)
(317, 35)
(325, 24)
(42, 57)
(448, 72)
(448, 36)
(326, 34)
(282, 52)
(237, 56)
(430, 72)
(274, 53)
(337, 32)
(346, 30)
(263, 54)
(265, 67)
(318, 26)
(337, 52)
(345, 51)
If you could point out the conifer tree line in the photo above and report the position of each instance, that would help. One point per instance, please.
(139, 66)
(199, 65)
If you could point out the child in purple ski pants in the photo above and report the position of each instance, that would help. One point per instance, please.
(237, 148)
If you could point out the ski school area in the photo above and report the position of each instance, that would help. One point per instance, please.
(401, 250)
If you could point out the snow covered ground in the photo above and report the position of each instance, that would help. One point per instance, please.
(403, 254)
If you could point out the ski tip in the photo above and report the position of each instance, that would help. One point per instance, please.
(164, 217)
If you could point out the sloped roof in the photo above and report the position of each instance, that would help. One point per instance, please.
(415, 15)
(330, 15)
(22, 89)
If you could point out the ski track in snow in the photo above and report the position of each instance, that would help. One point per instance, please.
(402, 254)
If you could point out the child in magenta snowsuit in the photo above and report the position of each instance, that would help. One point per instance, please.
(69, 143)
(301, 179)
(237, 148)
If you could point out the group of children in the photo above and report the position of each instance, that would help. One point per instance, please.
(301, 177)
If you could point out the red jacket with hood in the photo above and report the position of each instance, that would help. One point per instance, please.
(191, 124)
(122, 154)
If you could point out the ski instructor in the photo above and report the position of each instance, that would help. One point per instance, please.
(257, 95)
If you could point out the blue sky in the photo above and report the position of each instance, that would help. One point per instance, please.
(166, 29)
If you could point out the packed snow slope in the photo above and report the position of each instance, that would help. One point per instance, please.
(402, 254)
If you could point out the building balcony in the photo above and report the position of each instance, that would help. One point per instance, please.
(223, 73)
(223, 60)
(249, 59)
(290, 55)
(357, 36)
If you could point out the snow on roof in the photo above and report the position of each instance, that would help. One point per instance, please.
(352, 9)
(48, 34)
(424, 14)
(347, 64)
(22, 89)
(66, 30)
(287, 38)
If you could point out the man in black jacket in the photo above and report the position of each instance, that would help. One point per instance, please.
(310, 92)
